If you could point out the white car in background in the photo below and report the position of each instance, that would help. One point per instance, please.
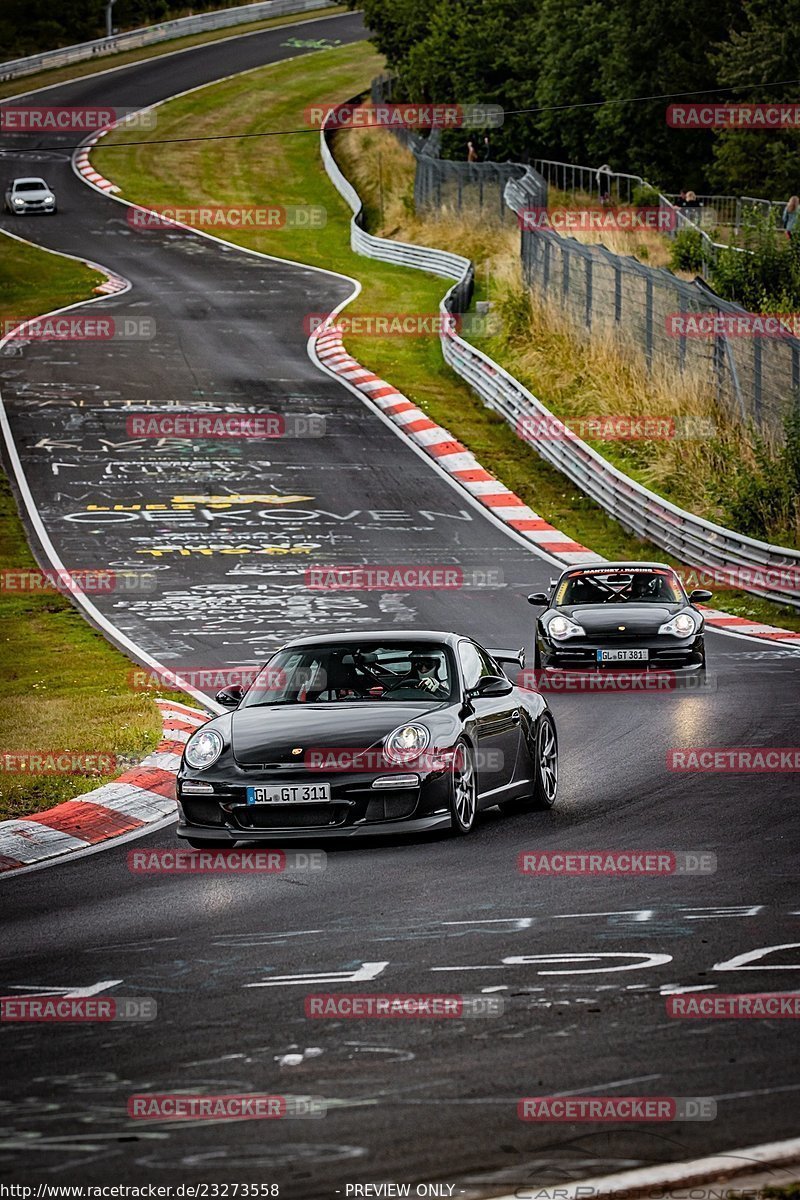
(29, 195)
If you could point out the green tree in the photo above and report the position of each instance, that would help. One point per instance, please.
(766, 50)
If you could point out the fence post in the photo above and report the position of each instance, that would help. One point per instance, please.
(757, 379)
(564, 272)
(649, 320)
(588, 317)
(617, 294)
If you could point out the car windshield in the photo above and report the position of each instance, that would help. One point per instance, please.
(31, 185)
(355, 672)
(635, 586)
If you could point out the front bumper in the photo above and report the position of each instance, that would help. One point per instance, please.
(664, 653)
(341, 833)
(355, 808)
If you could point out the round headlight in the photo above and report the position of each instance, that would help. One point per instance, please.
(406, 743)
(684, 624)
(558, 627)
(203, 749)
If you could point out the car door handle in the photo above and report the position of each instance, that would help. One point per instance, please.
(515, 716)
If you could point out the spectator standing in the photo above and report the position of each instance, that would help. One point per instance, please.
(472, 153)
(790, 214)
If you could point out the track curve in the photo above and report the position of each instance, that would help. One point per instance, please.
(413, 1100)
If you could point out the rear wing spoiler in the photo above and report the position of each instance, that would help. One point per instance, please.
(508, 656)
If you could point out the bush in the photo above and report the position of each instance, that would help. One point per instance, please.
(687, 253)
(767, 279)
(645, 196)
(765, 497)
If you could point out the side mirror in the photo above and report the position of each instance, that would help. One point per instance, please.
(231, 697)
(538, 598)
(492, 685)
(698, 595)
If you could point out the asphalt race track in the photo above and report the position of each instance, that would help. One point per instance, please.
(227, 957)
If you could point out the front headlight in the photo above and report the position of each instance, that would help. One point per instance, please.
(17, 201)
(203, 749)
(49, 199)
(683, 625)
(406, 743)
(562, 628)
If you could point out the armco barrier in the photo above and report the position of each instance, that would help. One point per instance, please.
(151, 34)
(691, 539)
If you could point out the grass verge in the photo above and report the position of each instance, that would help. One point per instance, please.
(288, 171)
(65, 687)
(43, 79)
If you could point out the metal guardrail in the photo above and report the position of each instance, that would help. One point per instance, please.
(151, 34)
(691, 539)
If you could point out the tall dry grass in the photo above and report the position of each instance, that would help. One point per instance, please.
(573, 374)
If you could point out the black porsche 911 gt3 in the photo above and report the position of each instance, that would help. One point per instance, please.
(374, 733)
(620, 614)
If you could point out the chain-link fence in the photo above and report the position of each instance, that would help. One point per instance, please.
(681, 325)
(443, 183)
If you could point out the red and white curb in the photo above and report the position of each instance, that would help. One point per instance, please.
(140, 797)
(462, 466)
(84, 167)
(723, 620)
(450, 454)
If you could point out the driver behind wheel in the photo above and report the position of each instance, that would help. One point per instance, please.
(423, 675)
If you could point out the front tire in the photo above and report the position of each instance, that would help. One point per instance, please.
(463, 790)
(545, 788)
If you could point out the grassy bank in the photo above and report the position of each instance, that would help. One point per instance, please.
(288, 170)
(64, 687)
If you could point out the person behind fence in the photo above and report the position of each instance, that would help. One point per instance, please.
(681, 201)
(790, 214)
(603, 180)
(692, 206)
(487, 148)
(472, 153)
